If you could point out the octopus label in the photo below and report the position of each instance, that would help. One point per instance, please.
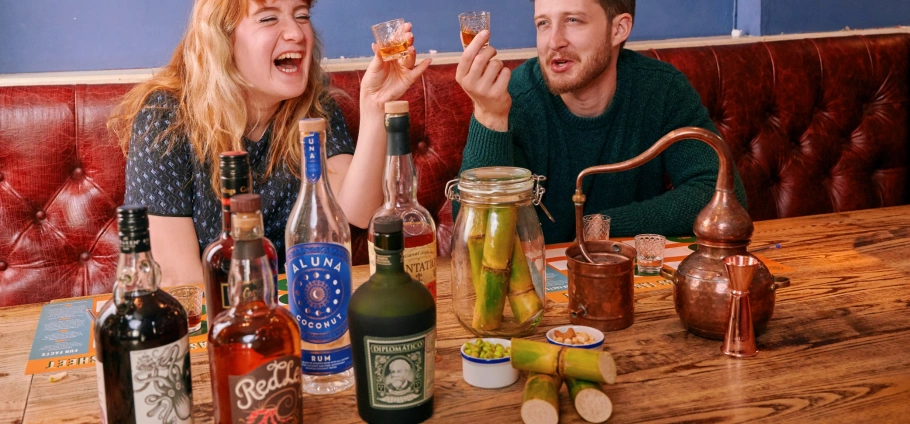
(162, 389)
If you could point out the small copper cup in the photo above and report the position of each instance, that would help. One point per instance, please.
(739, 341)
(600, 293)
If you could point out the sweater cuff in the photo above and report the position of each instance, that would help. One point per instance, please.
(493, 148)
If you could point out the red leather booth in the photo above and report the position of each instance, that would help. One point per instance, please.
(815, 125)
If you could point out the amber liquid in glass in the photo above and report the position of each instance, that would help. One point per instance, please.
(193, 320)
(467, 36)
(393, 50)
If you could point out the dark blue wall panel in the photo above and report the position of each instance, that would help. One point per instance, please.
(793, 16)
(79, 35)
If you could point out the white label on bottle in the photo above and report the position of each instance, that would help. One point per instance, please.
(400, 370)
(162, 384)
(99, 374)
(420, 262)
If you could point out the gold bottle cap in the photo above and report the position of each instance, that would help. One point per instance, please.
(397, 107)
(308, 125)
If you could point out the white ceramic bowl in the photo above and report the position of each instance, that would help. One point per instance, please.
(488, 373)
(593, 332)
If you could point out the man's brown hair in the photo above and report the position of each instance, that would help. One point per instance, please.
(615, 8)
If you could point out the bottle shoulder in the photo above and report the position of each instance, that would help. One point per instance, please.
(238, 324)
(397, 294)
(155, 312)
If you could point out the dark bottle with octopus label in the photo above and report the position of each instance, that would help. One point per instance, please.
(141, 343)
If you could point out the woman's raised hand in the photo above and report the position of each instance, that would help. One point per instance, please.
(387, 81)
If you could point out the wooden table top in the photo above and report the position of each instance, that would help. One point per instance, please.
(836, 349)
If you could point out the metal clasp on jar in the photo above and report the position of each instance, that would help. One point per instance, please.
(537, 190)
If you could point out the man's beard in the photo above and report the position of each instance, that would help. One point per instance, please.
(589, 70)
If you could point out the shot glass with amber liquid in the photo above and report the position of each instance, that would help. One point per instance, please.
(390, 37)
(471, 23)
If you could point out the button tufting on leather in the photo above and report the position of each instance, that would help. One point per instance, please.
(3, 266)
(422, 146)
(40, 215)
(85, 256)
(78, 173)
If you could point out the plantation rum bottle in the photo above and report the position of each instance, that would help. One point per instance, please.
(400, 190)
(393, 335)
(254, 346)
(216, 258)
(141, 344)
(318, 240)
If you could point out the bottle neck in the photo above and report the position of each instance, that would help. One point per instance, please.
(137, 271)
(229, 187)
(400, 179)
(251, 272)
(389, 248)
(312, 159)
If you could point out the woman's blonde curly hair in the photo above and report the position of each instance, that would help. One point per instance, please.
(210, 92)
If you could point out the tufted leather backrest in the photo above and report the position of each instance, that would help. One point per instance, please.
(815, 125)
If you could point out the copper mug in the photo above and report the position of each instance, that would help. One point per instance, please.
(600, 293)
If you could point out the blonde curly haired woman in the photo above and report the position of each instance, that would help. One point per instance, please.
(242, 76)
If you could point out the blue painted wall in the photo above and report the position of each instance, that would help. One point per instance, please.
(790, 16)
(80, 35)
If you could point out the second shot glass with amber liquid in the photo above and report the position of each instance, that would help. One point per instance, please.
(391, 40)
(471, 23)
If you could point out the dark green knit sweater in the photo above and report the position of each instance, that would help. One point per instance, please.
(652, 98)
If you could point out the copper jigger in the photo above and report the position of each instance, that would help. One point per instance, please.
(739, 341)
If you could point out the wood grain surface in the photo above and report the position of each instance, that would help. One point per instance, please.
(836, 349)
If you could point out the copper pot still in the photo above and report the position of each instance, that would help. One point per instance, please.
(600, 293)
(701, 291)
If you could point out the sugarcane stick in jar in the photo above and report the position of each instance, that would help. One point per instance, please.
(494, 281)
(584, 364)
(591, 403)
(476, 221)
(540, 400)
(523, 298)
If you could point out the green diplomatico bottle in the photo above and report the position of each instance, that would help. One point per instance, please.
(393, 336)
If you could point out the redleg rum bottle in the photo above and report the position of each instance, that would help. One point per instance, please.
(254, 345)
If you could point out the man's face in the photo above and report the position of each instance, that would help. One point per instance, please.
(399, 373)
(574, 42)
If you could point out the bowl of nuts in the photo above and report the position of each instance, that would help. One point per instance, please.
(576, 336)
(485, 363)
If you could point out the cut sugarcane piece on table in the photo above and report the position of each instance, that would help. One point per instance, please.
(540, 401)
(591, 403)
(584, 364)
(523, 298)
(494, 279)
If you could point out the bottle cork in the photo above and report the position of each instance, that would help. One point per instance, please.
(308, 125)
(397, 107)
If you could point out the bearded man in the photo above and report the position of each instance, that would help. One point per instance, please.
(585, 101)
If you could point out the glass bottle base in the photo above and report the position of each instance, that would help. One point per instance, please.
(328, 384)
